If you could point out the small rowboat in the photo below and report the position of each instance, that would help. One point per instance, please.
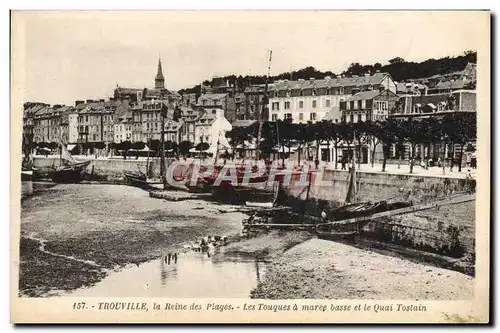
(337, 236)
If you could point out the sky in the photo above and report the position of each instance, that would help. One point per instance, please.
(60, 57)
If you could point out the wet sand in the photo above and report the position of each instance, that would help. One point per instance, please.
(318, 269)
(109, 225)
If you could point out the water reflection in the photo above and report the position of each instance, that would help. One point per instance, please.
(194, 275)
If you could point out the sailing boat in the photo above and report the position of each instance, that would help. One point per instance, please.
(69, 170)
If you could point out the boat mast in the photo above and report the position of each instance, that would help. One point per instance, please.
(354, 180)
(162, 161)
(265, 105)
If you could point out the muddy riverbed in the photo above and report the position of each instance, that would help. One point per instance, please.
(74, 235)
(111, 240)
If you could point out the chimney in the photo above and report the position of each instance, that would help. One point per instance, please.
(101, 101)
(89, 101)
(78, 103)
(56, 106)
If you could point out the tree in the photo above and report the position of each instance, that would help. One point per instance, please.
(100, 145)
(53, 145)
(396, 60)
(346, 133)
(237, 137)
(300, 137)
(125, 146)
(374, 135)
(202, 146)
(154, 145)
(185, 147)
(387, 133)
(459, 128)
(360, 129)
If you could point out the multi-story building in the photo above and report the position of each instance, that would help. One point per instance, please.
(254, 99)
(311, 100)
(146, 119)
(123, 128)
(210, 128)
(214, 103)
(189, 117)
(50, 124)
(96, 121)
(368, 106)
(435, 105)
(411, 88)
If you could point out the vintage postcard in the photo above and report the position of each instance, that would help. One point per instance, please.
(250, 166)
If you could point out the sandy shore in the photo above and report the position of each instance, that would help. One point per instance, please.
(323, 269)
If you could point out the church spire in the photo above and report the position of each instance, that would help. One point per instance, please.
(159, 79)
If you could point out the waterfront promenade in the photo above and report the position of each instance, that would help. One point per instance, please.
(403, 169)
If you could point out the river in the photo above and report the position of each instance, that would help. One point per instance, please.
(108, 240)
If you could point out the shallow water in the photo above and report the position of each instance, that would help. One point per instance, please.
(194, 275)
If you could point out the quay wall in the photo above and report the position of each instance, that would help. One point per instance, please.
(448, 230)
(109, 169)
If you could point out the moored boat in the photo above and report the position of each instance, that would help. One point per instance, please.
(70, 170)
(337, 236)
(26, 175)
(69, 174)
(141, 180)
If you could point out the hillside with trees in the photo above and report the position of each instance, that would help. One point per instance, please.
(399, 69)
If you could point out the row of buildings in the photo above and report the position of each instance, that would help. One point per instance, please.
(133, 114)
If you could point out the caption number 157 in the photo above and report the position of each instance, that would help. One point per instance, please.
(79, 306)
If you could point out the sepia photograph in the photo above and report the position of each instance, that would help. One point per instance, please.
(260, 158)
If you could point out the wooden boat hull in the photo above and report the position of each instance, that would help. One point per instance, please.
(26, 175)
(337, 236)
(141, 181)
(69, 174)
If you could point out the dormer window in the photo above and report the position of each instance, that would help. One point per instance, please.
(275, 93)
(314, 92)
(288, 93)
(301, 93)
(341, 90)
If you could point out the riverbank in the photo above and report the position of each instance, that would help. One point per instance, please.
(109, 225)
(318, 269)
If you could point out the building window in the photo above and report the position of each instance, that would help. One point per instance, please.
(363, 104)
(301, 116)
(287, 105)
(312, 116)
(341, 90)
(328, 91)
(274, 117)
(276, 106)
(314, 104)
(288, 116)
(327, 103)
(301, 104)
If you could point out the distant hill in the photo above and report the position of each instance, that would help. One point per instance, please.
(399, 69)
